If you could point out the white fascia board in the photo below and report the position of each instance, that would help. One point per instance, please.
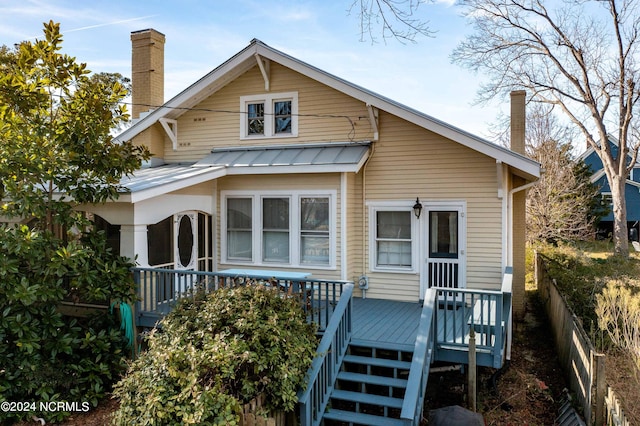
(297, 169)
(159, 190)
(497, 152)
(193, 94)
(228, 70)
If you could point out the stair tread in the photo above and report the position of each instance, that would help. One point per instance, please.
(389, 346)
(361, 418)
(372, 379)
(378, 362)
(365, 398)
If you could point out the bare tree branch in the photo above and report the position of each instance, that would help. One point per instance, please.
(391, 19)
(581, 56)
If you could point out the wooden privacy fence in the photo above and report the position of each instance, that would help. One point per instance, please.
(584, 367)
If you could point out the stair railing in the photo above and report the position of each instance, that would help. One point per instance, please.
(324, 369)
(421, 361)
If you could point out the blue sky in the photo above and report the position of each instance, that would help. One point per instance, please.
(201, 34)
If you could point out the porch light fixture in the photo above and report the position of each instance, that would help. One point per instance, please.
(417, 208)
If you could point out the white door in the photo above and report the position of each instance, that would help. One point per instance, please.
(445, 243)
(186, 248)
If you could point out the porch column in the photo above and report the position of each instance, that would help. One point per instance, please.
(133, 241)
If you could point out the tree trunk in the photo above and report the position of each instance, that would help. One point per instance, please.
(620, 233)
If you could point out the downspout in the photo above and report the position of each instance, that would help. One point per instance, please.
(364, 211)
(343, 229)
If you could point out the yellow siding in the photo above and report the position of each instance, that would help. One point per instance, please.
(324, 115)
(408, 162)
(411, 162)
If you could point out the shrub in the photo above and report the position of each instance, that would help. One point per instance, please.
(215, 353)
(45, 355)
(618, 311)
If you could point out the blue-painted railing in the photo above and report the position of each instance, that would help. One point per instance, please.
(486, 312)
(159, 290)
(324, 369)
(421, 362)
(447, 317)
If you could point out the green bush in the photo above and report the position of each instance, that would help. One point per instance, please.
(215, 353)
(45, 355)
(582, 273)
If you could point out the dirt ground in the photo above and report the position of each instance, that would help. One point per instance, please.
(528, 392)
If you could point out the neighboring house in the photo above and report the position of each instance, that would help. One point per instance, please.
(632, 191)
(268, 165)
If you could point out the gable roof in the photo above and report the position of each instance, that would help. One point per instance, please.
(246, 59)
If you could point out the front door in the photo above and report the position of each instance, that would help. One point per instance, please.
(445, 242)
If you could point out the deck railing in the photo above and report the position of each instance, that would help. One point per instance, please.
(159, 290)
(486, 312)
(419, 372)
(324, 369)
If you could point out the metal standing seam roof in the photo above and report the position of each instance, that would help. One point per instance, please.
(288, 155)
(173, 176)
(152, 177)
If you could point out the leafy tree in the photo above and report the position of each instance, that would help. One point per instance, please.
(55, 142)
(578, 56)
(56, 153)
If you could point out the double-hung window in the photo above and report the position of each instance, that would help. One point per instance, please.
(239, 220)
(269, 115)
(314, 231)
(393, 241)
(289, 228)
(275, 230)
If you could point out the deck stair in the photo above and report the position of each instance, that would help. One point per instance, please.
(370, 386)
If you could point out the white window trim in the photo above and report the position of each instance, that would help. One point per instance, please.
(294, 227)
(401, 205)
(269, 99)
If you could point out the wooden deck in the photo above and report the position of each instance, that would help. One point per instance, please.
(394, 325)
(386, 322)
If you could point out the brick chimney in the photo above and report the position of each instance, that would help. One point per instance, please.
(147, 86)
(518, 121)
(147, 70)
(518, 219)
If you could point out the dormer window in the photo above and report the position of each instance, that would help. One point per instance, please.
(269, 115)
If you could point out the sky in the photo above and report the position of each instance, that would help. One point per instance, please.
(202, 34)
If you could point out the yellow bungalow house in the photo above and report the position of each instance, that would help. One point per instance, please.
(269, 168)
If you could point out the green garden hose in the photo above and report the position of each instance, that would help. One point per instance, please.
(126, 324)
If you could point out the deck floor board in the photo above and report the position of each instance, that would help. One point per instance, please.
(383, 322)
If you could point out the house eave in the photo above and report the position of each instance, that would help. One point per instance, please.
(246, 59)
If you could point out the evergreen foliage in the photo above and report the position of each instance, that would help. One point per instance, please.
(215, 353)
(56, 153)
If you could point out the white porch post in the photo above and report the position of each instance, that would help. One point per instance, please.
(133, 241)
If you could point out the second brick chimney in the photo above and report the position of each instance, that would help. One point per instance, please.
(518, 219)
